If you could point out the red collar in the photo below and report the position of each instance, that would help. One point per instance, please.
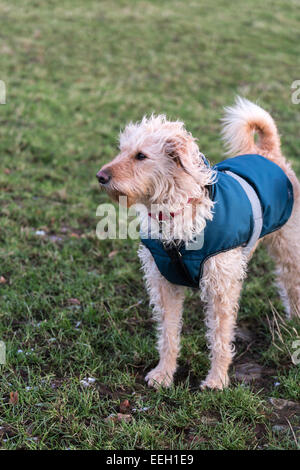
(161, 216)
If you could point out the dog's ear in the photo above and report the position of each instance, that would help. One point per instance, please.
(181, 148)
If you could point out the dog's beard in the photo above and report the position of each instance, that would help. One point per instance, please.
(125, 198)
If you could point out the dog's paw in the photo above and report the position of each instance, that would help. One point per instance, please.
(159, 378)
(215, 383)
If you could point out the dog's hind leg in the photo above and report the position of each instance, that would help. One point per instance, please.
(167, 302)
(284, 247)
(221, 285)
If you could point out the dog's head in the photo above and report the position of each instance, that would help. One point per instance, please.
(159, 162)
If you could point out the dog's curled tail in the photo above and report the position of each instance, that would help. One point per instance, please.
(240, 124)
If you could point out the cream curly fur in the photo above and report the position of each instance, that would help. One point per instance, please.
(174, 173)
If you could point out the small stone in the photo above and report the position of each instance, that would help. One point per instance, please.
(40, 233)
(280, 428)
(87, 381)
(280, 404)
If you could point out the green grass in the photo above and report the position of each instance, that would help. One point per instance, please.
(75, 73)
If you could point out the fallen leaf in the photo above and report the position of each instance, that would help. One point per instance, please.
(112, 253)
(74, 302)
(124, 417)
(74, 235)
(124, 406)
(13, 398)
(118, 417)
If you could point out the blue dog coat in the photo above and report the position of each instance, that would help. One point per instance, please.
(253, 197)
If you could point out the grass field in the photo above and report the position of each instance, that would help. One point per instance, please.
(73, 307)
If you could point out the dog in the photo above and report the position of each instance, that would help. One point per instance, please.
(160, 164)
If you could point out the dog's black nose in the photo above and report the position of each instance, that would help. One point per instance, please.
(103, 177)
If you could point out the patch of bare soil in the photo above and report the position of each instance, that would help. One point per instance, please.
(285, 417)
(247, 367)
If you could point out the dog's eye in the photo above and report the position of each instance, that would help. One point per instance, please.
(140, 156)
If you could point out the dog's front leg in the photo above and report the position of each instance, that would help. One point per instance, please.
(167, 301)
(221, 285)
(167, 312)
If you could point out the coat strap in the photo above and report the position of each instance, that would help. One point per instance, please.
(256, 211)
(173, 251)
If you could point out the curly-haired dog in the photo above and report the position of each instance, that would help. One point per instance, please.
(160, 163)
